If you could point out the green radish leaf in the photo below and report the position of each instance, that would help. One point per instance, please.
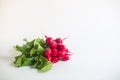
(40, 50)
(18, 61)
(29, 44)
(36, 42)
(47, 66)
(27, 61)
(32, 54)
(33, 51)
(43, 43)
(20, 48)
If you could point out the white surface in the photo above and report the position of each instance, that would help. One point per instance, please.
(93, 28)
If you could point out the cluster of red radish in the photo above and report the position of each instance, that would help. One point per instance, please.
(57, 50)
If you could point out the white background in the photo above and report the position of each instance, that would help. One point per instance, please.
(92, 28)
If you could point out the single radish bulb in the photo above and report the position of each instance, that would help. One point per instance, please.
(54, 52)
(55, 59)
(59, 40)
(48, 52)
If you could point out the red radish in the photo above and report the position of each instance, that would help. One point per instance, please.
(49, 59)
(48, 52)
(66, 49)
(53, 44)
(61, 47)
(55, 59)
(65, 57)
(59, 40)
(54, 52)
(48, 39)
(61, 54)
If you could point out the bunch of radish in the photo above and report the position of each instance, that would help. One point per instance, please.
(56, 50)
